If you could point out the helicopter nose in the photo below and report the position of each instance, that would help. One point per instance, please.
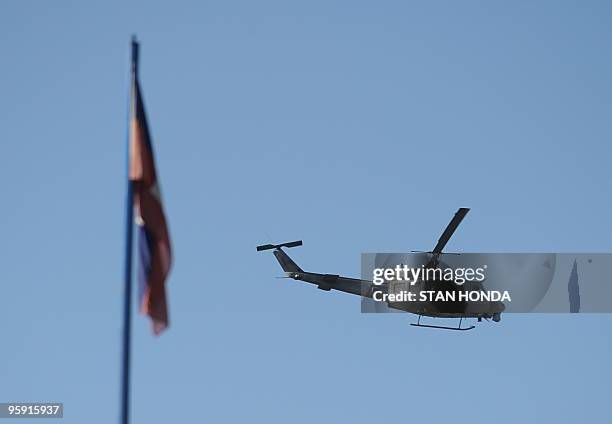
(499, 307)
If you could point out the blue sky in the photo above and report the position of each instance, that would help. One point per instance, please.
(355, 126)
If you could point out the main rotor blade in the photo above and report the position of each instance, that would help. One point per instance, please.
(450, 229)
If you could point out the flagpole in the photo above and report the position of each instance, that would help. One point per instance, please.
(129, 223)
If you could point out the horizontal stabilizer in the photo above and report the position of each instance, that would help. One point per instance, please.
(278, 246)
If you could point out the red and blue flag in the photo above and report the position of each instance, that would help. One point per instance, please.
(154, 249)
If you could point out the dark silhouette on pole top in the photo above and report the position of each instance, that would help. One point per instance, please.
(135, 46)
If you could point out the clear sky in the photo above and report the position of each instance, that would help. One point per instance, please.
(355, 126)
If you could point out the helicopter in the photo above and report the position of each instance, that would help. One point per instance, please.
(428, 306)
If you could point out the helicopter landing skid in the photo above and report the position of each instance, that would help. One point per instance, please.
(442, 327)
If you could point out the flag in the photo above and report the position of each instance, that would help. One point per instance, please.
(154, 250)
(574, 289)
